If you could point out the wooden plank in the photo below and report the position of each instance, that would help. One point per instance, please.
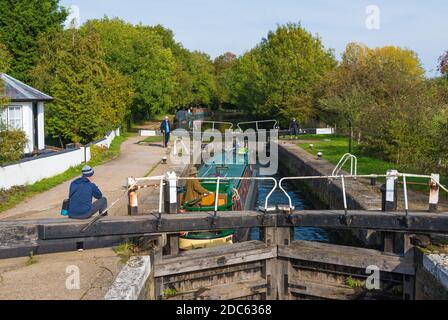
(235, 290)
(148, 224)
(321, 290)
(215, 257)
(220, 272)
(418, 222)
(16, 234)
(346, 256)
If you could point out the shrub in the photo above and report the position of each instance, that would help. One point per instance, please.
(12, 144)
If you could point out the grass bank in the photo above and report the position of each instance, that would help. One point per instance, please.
(10, 198)
(334, 147)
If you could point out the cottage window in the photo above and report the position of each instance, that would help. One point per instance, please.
(3, 117)
(12, 117)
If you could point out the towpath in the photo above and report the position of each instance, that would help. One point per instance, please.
(135, 160)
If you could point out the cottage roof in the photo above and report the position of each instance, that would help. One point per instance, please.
(18, 91)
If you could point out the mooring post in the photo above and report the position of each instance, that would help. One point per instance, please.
(132, 197)
(170, 206)
(158, 258)
(276, 270)
(390, 193)
(409, 256)
(434, 192)
(170, 192)
(389, 203)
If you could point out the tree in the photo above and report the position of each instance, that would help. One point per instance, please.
(138, 53)
(5, 59)
(22, 22)
(384, 92)
(223, 65)
(443, 63)
(277, 77)
(203, 81)
(90, 98)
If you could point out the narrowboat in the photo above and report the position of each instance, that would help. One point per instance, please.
(234, 195)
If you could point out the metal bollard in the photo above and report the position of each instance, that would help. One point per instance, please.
(434, 192)
(132, 198)
(389, 192)
(170, 192)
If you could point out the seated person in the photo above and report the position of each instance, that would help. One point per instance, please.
(82, 192)
(194, 190)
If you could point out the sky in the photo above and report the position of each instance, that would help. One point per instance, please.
(215, 27)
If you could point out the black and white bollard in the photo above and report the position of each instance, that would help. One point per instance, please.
(390, 192)
(434, 192)
(132, 197)
(170, 192)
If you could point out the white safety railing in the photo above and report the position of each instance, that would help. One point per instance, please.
(390, 175)
(394, 175)
(353, 164)
(257, 123)
(218, 181)
(198, 123)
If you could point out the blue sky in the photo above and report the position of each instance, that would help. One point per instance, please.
(237, 25)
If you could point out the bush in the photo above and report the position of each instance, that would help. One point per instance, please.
(12, 144)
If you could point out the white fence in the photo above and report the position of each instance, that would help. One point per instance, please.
(148, 133)
(29, 171)
(107, 140)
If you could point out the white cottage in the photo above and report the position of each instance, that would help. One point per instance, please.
(25, 111)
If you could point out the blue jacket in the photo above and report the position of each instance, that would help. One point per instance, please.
(81, 193)
(165, 127)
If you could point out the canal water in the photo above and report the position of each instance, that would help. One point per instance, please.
(298, 201)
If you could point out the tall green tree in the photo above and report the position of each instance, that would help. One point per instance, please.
(276, 78)
(5, 59)
(223, 64)
(22, 22)
(139, 53)
(384, 92)
(90, 98)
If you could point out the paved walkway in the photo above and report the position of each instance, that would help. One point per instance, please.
(47, 279)
(135, 160)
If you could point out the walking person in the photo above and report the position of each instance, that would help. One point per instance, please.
(294, 128)
(82, 192)
(165, 128)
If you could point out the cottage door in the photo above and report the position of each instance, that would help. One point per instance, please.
(35, 127)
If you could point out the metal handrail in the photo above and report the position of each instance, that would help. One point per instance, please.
(256, 123)
(213, 123)
(343, 161)
(218, 181)
(326, 178)
(279, 184)
(343, 177)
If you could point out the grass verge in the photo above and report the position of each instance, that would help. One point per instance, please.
(11, 197)
(334, 147)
